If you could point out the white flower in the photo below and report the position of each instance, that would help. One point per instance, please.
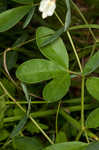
(47, 7)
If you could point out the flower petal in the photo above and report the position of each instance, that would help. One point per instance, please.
(47, 7)
(51, 9)
(44, 15)
(43, 5)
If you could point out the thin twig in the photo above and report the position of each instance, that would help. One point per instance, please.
(5, 65)
(14, 100)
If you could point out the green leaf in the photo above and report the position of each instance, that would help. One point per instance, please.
(93, 146)
(25, 91)
(3, 134)
(92, 64)
(92, 85)
(20, 40)
(93, 119)
(23, 1)
(55, 51)
(3, 109)
(17, 129)
(29, 17)
(30, 127)
(37, 70)
(84, 26)
(68, 146)
(61, 137)
(28, 98)
(12, 16)
(68, 15)
(57, 88)
(53, 37)
(27, 143)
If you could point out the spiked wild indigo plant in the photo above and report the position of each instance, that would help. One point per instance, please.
(49, 75)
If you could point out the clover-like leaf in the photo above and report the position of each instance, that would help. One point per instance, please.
(37, 70)
(55, 51)
(92, 85)
(68, 146)
(93, 146)
(93, 119)
(92, 64)
(57, 88)
(27, 143)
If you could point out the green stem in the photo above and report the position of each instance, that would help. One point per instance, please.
(93, 49)
(65, 115)
(71, 120)
(14, 100)
(84, 19)
(86, 135)
(82, 112)
(25, 102)
(82, 103)
(71, 41)
(74, 49)
(76, 124)
(59, 19)
(75, 73)
(51, 112)
(79, 135)
(45, 113)
(42, 131)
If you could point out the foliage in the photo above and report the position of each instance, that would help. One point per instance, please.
(49, 84)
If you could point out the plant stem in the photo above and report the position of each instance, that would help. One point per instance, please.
(59, 19)
(42, 131)
(75, 73)
(74, 49)
(93, 49)
(71, 41)
(86, 135)
(84, 19)
(71, 120)
(14, 100)
(79, 135)
(50, 112)
(25, 102)
(82, 103)
(76, 124)
(82, 112)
